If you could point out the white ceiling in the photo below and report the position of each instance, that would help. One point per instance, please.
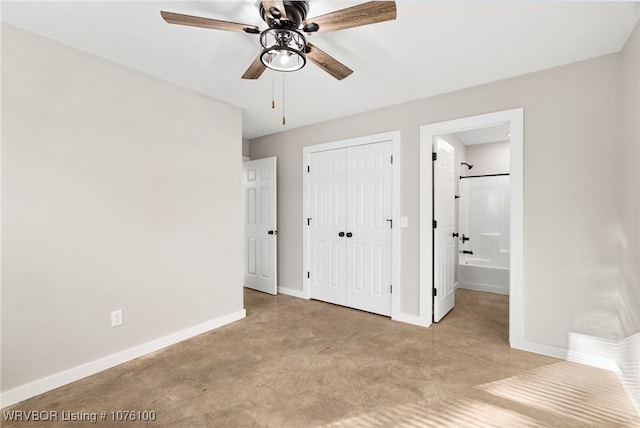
(432, 48)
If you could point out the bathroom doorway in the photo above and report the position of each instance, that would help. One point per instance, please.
(482, 208)
(505, 246)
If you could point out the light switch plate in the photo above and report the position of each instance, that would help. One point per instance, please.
(116, 318)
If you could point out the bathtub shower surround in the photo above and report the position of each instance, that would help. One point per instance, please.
(484, 233)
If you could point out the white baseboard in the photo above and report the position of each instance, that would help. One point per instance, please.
(409, 319)
(593, 351)
(620, 356)
(629, 364)
(485, 288)
(57, 380)
(291, 292)
(539, 348)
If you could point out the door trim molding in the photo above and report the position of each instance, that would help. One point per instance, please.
(515, 117)
(394, 137)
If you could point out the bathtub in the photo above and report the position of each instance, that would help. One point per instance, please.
(477, 274)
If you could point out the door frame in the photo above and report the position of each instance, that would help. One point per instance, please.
(515, 117)
(394, 137)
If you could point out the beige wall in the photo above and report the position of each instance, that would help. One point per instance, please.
(245, 147)
(630, 188)
(489, 158)
(119, 191)
(571, 217)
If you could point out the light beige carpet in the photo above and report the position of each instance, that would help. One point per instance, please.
(298, 363)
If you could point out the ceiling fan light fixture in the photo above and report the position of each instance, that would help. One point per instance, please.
(283, 49)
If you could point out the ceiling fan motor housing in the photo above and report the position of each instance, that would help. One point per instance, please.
(296, 12)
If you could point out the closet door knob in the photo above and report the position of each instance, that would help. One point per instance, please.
(341, 234)
(349, 234)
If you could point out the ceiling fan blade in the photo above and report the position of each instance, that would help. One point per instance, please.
(255, 70)
(278, 4)
(214, 24)
(327, 62)
(355, 16)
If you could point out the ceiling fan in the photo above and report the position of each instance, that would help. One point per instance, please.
(284, 46)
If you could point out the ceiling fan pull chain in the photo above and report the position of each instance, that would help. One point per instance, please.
(273, 92)
(284, 120)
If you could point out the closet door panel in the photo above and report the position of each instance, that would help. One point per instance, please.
(327, 210)
(368, 243)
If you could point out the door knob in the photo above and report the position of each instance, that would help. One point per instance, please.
(272, 232)
(349, 234)
(341, 234)
(455, 234)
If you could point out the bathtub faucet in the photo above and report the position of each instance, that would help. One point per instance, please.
(466, 252)
(465, 238)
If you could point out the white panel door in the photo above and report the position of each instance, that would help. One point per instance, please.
(444, 257)
(369, 172)
(349, 205)
(327, 198)
(260, 230)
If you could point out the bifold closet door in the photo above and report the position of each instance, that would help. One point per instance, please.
(327, 207)
(369, 174)
(350, 228)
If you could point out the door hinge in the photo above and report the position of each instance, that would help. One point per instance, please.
(434, 156)
(391, 159)
(309, 221)
(435, 224)
(308, 275)
(391, 289)
(435, 292)
(390, 220)
(308, 169)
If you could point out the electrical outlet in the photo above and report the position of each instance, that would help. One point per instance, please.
(116, 318)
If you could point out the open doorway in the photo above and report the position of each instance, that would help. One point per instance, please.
(482, 230)
(511, 122)
(471, 212)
